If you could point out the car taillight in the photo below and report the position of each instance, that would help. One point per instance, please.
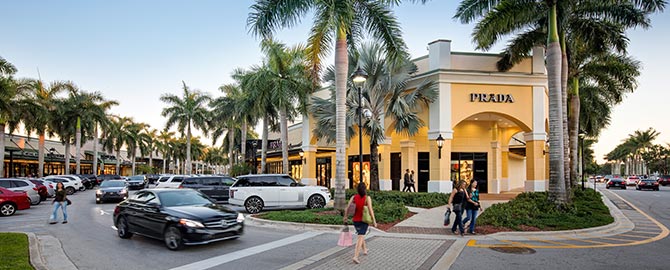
(232, 193)
(35, 189)
(181, 186)
(116, 210)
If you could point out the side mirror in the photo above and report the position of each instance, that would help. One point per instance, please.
(154, 205)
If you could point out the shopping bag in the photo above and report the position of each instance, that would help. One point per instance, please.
(446, 217)
(345, 237)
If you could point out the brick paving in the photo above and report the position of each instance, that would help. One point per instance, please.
(388, 253)
(421, 230)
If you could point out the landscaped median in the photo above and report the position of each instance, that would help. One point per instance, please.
(532, 211)
(389, 207)
(14, 253)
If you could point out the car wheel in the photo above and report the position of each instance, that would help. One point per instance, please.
(173, 239)
(623, 187)
(316, 201)
(69, 190)
(122, 228)
(607, 187)
(7, 209)
(35, 202)
(253, 205)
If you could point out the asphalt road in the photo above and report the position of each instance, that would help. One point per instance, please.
(646, 256)
(90, 241)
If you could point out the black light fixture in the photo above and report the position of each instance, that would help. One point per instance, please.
(358, 77)
(546, 148)
(302, 157)
(440, 143)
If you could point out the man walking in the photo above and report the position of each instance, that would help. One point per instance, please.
(406, 180)
(411, 181)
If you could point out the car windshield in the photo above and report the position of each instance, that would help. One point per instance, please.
(136, 178)
(182, 197)
(109, 183)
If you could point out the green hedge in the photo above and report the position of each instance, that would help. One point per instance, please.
(414, 199)
(385, 212)
(534, 209)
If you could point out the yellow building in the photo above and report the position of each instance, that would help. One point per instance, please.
(494, 126)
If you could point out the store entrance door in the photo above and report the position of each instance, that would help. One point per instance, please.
(469, 166)
(396, 171)
(323, 172)
(423, 175)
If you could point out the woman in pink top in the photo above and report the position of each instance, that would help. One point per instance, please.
(360, 200)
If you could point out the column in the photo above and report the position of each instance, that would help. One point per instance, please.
(536, 160)
(495, 162)
(505, 184)
(309, 150)
(408, 159)
(385, 165)
(440, 168)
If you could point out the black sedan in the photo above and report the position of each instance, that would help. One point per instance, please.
(111, 190)
(647, 184)
(616, 182)
(177, 216)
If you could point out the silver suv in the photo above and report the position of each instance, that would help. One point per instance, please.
(21, 185)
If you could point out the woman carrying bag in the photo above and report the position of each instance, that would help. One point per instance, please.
(457, 200)
(60, 201)
(472, 206)
(364, 215)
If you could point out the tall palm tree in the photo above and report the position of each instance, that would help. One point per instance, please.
(114, 137)
(189, 111)
(8, 98)
(226, 116)
(163, 143)
(344, 22)
(148, 144)
(134, 140)
(384, 96)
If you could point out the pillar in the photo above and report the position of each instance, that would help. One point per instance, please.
(536, 159)
(309, 150)
(505, 181)
(385, 165)
(440, 168)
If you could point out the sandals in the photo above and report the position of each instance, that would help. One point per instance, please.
(356, 261)
(365, 252)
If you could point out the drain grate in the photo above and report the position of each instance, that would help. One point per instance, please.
(514, 250)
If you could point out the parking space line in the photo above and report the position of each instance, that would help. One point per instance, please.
(218, 260)
(584, 240)
(617, 239)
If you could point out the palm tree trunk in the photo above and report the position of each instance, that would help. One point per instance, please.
(188, 149)
(165, 161)
(95, 150)
(341, 66)
(283, 118)
(40, 156)
(231, 143)
(374, 166)
(243, 145)
(564, 104)
(557, 191)
(2, 149)
(264, 143)
(133, 157)
(77, 146)
(67, 156)
(118, 161)
(151, 156)
(574, 131)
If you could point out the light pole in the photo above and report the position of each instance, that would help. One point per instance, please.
(359, 78)
(581, 141)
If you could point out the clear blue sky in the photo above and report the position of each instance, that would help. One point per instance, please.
(135, 51)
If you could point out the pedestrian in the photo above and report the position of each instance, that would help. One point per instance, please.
(458, 197)
(472, 206)
(360, 200)
(411, 181)
(406, 180)
(60, 200)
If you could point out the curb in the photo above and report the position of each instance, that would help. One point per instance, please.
(253, 221)
(36, 259)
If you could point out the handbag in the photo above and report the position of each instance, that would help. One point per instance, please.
(345, 239)
(367, 218)
(68, 201)
(458, 207)
(446, 217)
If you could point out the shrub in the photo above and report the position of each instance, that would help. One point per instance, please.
(534, 209)
(385, 212)
(388, 211)
(415, 199)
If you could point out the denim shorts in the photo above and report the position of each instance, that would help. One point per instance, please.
(361, 227)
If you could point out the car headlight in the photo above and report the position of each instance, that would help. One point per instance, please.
(99, 192)
(240, 218)
(190, 223)
(123, 191)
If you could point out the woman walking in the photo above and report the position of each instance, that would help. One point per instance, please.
(360, 200)
(457, 198)
(472, 206)
(59, 201)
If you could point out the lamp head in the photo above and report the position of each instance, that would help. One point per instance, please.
(359, 76)
(367, 113)
(301, 153)
(440, 141)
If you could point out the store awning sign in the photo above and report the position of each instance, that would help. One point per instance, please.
(491, 98)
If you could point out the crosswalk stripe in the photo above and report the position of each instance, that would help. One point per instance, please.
(218, 260)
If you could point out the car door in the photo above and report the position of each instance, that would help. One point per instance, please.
(289, 192)
(152, 218)
(266, 187)
(226, 183)
(208, 186)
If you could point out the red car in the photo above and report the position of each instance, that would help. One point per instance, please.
(10, 201)
(664, 180)
(41, 189)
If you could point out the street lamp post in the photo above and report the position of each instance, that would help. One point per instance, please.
(359, 78)
(581, 140)
(254, 143)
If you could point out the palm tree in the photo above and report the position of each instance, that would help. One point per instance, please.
(134, 139)
(384, 96)
(344, 22)
(8, 98)
(148, 144)
(163, 143)
(114, 137)
(187, 112)
(226, 116)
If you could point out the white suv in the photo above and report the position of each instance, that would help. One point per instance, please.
(78, 185)
(257, 191)
(171, 182)
(70, 185)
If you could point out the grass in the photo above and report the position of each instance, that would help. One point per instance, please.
(535, 210)
(14, 252)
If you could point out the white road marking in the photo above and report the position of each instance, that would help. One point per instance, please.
(102, 212)
(211, 262)
(114, 228)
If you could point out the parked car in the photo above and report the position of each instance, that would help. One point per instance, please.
(664, 180)
(215, 187)
(22, 185)
(41, 189)
(104, 177)
(111, 190)
(91, 178)
(647, 184)
(50, 186)
(258, 191)
(171, 182)
(616, 182)
(152, 178)
(600, 179)
(76, 182)
(68, 184)
(10, 201)
(177, 216)
(136, 182)
(632, 180)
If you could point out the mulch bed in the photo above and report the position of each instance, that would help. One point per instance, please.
(387, 226)
(488, 229)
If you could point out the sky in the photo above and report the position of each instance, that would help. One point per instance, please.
(135, 51)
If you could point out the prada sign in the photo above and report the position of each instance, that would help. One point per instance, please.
(495, 98)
